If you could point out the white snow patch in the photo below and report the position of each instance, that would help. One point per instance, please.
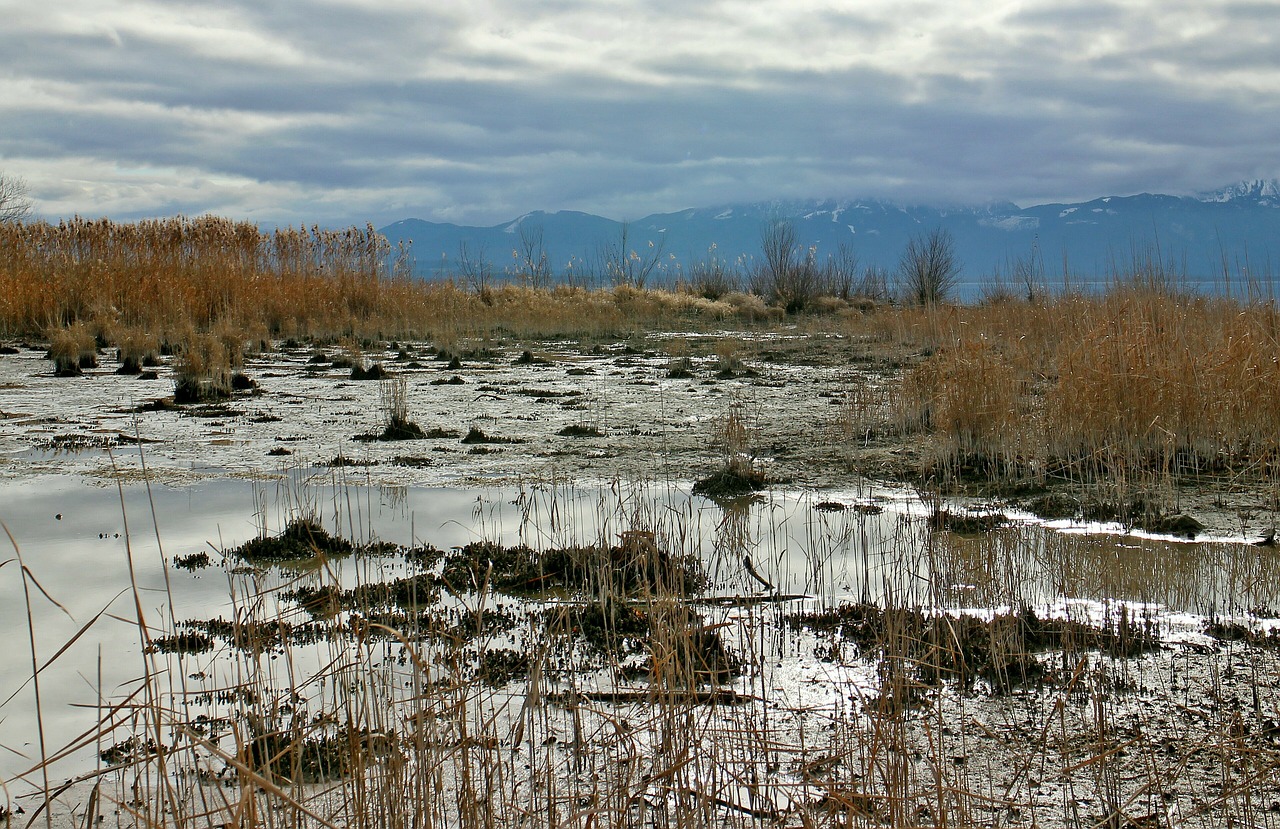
(1012, 223)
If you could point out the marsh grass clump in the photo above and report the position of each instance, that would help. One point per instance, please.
(193, 561)
(183, 642)
(393, 396)
(738, 475)
(306, 752)
(729, 363)
(966, 523)
(301, 539)
(636, 565)
(202, 373)
(1003, 651)
(374, 371)
(580, 430)
(72, 350)
(500, 666)
(680, 366)
(138, 350)
(476, 435)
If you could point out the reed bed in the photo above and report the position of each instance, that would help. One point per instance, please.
(1131, 390)
(172, 275)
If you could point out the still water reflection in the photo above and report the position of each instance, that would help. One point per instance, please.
(79, 540)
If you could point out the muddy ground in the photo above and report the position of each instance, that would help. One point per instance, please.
(816, 410)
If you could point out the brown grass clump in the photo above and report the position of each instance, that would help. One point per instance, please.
(1137, 383)
(203, 373)
(72, 350)
(138, 349)
(972, 398)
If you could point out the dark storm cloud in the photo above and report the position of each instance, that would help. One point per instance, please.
(346, 111)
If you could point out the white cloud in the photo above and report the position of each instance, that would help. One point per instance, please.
(342, 110)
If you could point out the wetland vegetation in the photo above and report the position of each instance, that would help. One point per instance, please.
(758, 553)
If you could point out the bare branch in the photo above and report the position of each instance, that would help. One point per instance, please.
(15, 204)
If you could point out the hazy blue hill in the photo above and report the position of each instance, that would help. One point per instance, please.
(1239, 224)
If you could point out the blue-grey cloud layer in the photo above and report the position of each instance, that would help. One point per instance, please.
(475, 112)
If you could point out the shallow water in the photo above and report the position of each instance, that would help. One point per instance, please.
(78, 539)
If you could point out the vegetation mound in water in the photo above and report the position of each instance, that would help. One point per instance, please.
(634, 565)
(730, 483)
(1002, 650)
(301, 539)
(376, 371)
(399, 429)
(679, 644)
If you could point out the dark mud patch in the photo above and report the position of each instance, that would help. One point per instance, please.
(476, 435)
(580, 430)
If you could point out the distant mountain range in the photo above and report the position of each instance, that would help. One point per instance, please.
(1237, 225)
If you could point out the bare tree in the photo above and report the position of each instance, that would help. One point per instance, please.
(626, 265)
(839, 274)
(927, 270)
(789, 280)
(778, 243)
(15, 204)
(474, 267)
(532, 264)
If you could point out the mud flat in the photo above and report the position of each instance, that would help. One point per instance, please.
(525, 616)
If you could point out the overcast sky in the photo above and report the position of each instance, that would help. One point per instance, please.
(476, 111)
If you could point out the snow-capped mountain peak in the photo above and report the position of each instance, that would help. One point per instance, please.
(1256, 190)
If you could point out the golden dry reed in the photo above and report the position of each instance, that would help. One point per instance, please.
(1138, 378)
(182, 274)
